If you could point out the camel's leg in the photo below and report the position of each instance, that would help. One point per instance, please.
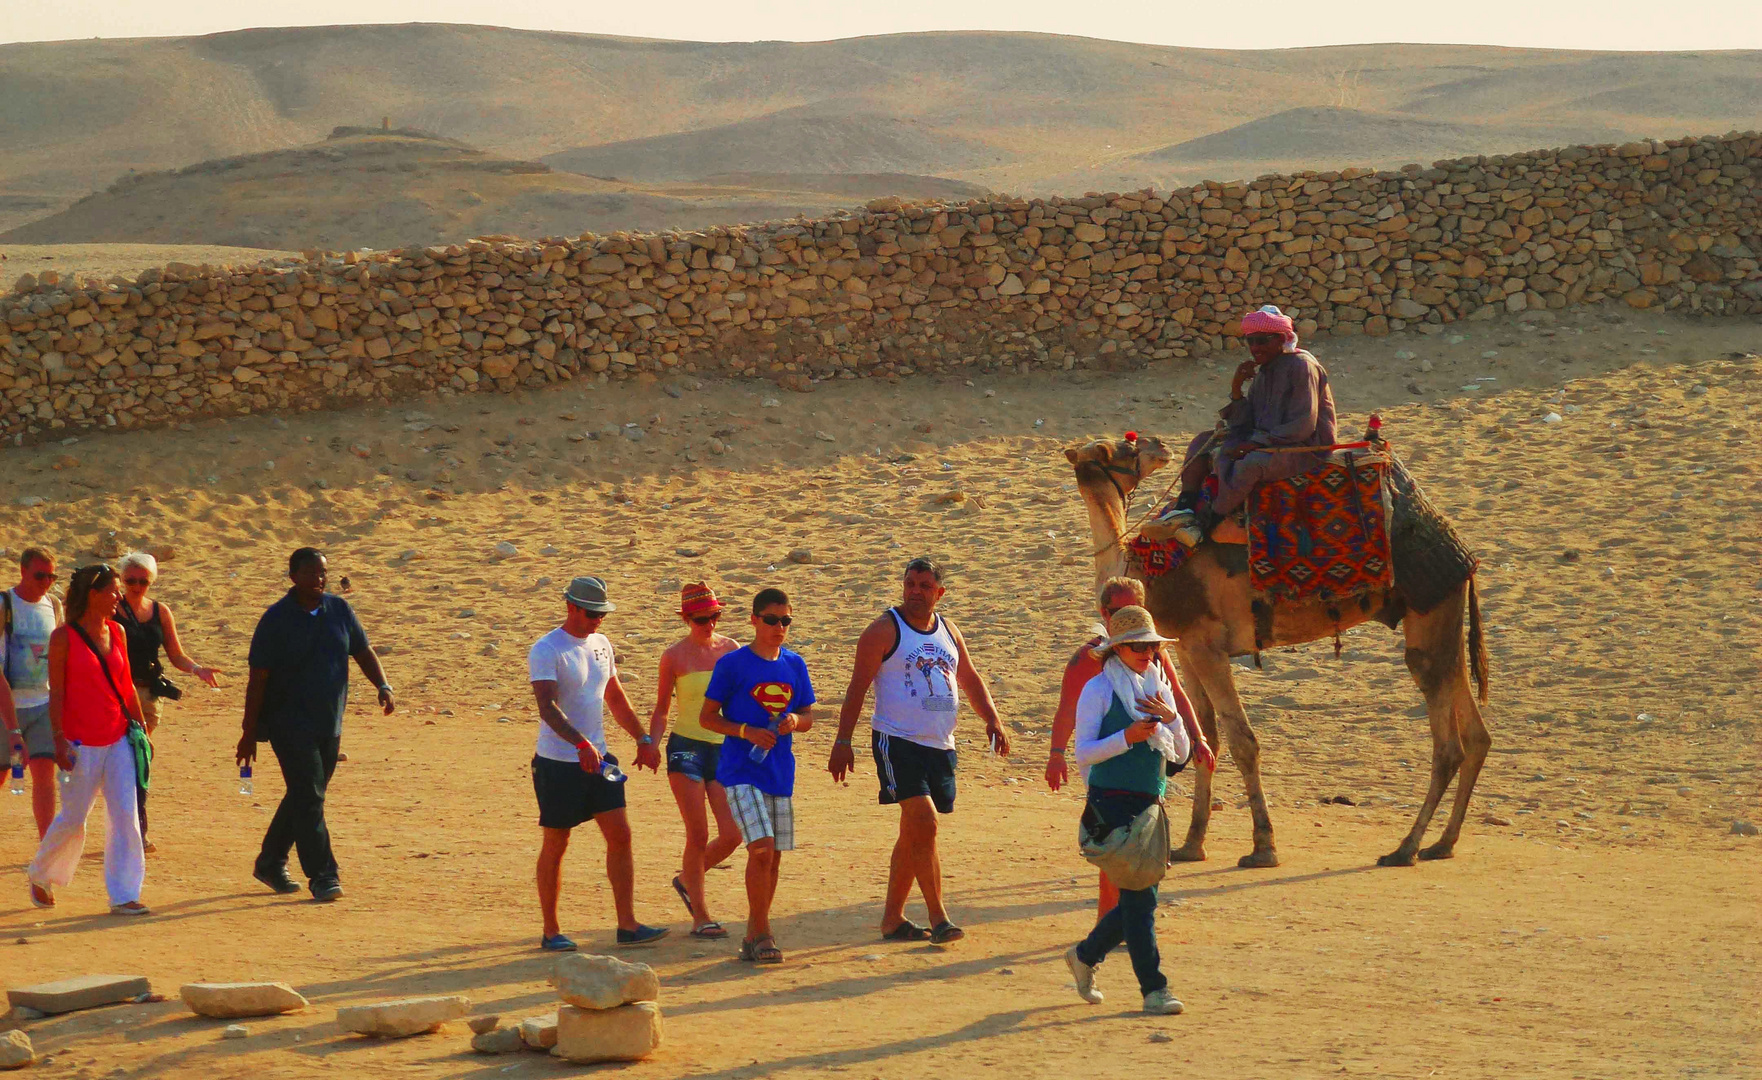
(1193, 848)
(1460, 742)
(1212, 666)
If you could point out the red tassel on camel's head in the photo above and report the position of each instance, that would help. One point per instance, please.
(1131, 436)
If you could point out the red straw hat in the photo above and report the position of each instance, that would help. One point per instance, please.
(698, 599)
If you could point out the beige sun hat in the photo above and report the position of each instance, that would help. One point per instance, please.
(1129, 624)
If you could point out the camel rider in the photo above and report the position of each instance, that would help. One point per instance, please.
(1289, 404)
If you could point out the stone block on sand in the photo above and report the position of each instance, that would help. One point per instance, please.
(15, 1050)
(539, 1032)
(481, 1024)
(229, 1001)
(603, 982)
(626, 1033)
(499, 1041)
(80, 992)
(409, 1016)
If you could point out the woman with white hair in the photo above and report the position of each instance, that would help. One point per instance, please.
(150, 627)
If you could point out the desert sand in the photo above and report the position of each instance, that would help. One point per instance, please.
(1600, 918)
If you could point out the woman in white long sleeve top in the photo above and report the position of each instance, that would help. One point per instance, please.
(1127, 726)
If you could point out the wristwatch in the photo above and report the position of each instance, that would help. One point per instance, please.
(385, 688)
(645, 741)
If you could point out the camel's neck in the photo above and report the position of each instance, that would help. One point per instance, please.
(1107, 521)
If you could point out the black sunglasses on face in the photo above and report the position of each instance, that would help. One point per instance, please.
(1141, 646)
(776, 620)
(705, 620)
(43, 575)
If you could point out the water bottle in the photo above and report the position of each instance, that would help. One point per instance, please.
(611, 772)
(759, 753)
(66, 776)
(17, 772)
(245, 785)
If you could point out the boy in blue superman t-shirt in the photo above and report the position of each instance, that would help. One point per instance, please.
(758, 697)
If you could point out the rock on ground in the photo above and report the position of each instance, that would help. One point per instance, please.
(481, 1024)
(409, 1016)
(15, 1050)
(603, 982)
(235, 1031)
(80, 992)
(227, 1001)
(626, 1033)
(539, 1032)
(500, 1041)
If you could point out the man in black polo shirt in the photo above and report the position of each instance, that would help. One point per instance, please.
(299, 685)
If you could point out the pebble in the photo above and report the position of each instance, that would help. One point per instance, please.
(801, 555)
(506, 549)
(770, 403)
(1552, 418)
(1744, 828)
(235, 1031)
(1161, 1037)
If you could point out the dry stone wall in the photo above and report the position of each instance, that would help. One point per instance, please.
(892, 288)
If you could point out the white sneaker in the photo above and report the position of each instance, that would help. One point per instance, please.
(1085, 977)
(1162, 1003)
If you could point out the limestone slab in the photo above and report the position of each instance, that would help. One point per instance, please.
(539, 1032)
(627, 1033)
(603, 982)
(407, 1016)
(79, 992)
(498, 1041)
(229, 1001)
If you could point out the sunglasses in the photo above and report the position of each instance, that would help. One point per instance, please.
(705, 620)
(136, 581)
(1265, 339)
(43, 575)
(1140, 647)
(776, 620)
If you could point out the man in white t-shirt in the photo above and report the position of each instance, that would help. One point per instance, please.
(30, 615)
(576, 779)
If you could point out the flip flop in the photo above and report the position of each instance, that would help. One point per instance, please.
(945, 932)
(710, 930)
(907, 930)
(556, 943)
(684, 896)
(761, 951)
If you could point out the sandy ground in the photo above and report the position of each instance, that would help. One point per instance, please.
(1599, 920)
(103, 260)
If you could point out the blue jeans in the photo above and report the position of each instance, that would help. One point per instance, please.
(1133, 921)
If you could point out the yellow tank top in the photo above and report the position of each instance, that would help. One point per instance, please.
(688, 705)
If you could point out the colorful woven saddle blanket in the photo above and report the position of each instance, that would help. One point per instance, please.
(1148, 559)
(1322, 537)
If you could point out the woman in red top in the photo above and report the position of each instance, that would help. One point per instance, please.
(91, 700)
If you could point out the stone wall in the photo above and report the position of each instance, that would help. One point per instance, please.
(892, 288)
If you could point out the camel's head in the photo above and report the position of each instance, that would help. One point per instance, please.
(1111, 469)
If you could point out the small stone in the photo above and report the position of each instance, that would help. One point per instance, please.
(1553, 418)
(15, 1050)
(823, 437)
(717, 446)
(1495, 819)
(25, 1013)
(539, 1032)
(801, 555)
(603, 982)
(235, 1031)
(634, 433)
(626, 1033)
(548, 550)
(1744, 828)
(1425, 365)
(1161, 1037)
(950, 498)
(1343, 800)
(770, 403)
(408, 1016)
(506, 549)
(481, 1024)
(503, 1041)
(871, 958)
(226, 1001)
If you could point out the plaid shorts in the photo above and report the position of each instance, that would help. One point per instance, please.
(760, 816)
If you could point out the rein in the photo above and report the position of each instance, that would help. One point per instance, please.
(1126, 506)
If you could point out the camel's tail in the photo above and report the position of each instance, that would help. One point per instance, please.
(1478, 663)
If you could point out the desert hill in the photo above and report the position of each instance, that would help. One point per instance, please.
(1027, 113)
(382, 189)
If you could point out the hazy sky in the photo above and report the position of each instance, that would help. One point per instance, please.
(1575, 24)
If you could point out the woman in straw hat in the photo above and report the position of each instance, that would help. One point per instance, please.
(692, 751)
(1128, 725)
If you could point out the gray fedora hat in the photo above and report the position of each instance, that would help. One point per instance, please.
(589, 594)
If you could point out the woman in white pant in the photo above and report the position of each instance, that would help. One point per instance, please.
(91, 700)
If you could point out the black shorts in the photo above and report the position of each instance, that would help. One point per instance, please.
(693, 758)
(569, 795)
(908, 769)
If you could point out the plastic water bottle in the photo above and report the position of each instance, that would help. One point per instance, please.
(759, 753)
(17, 773)
(66, 776)
(245, 785)
(611, 772)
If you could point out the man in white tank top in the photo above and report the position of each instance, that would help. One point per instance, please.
(918, 664)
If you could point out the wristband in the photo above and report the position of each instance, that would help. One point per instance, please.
(743, 732)
(1059, 750)
(580, 745)
(841, 742)
(385, 688)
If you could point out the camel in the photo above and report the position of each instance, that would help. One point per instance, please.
(1204, 605)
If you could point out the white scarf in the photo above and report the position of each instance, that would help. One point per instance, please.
(1169, 740)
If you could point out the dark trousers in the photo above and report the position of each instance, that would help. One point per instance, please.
(1133, 920)
(307, 762)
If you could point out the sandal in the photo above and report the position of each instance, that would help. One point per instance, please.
(42, 896)
(946, 932)
(907, 930)
(684, 896)
(711, 930)
(761, 951)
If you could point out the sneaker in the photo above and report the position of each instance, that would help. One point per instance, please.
(326, 891)
(133, 907)
(1085, 977)
(277, 880)
(1162, 1003)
